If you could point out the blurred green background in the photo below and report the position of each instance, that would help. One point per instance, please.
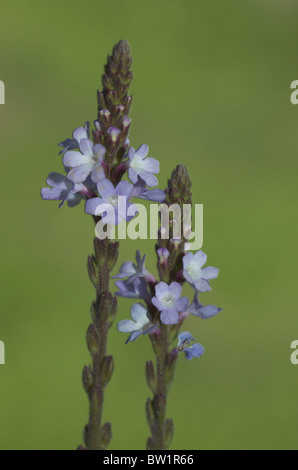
(211, 90)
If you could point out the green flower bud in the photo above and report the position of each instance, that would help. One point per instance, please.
(150, 376)
(106, 435)
(107, 369)
(92, 339)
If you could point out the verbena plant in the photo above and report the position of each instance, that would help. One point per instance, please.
(96, 164)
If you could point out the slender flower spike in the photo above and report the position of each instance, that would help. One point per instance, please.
(139, 325)
(194, 272)
(88, 161)
(109, 202)
(132, 271)
(169, 302)
(185, 340)
(62, 189)
(141, 166)
(204, 312)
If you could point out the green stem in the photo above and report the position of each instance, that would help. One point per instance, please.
(161, 392)
(162, 429)
(97, 377)
(97, 396)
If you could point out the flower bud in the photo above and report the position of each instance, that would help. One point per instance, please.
(107, 368)
(105, 118)
(87, 379)
(106, 435)
(112, 312)
(92, 339)
(179, 188)
(119, 112)
(126, 122)
(112, 256)
(150, 413)
(150, 376)
(101, 100)
(114, 135)
(163, 255)
(92, 270)
(100, 248)
(112, 98)
(104, 305)
(159, 404)
(169, 433)
(93, 311)
(128, 104)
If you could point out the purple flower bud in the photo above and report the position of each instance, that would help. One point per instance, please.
(114, 133)
(126, 121)
(97, 125)
(163, 255)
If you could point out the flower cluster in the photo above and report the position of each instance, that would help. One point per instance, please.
(87, 176)
(166, 304)
(97, 162)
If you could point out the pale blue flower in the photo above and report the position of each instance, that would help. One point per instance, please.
(62, 189)
(136, 289)
(133, 270)
(191, 351)
(194, 272)
(169, 302)
(204, 312)
(78, 134)
(87, 161)
(142, 192)
(143, 167)
(139, 325)
(108, 202)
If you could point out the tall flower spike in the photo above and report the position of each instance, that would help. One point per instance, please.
(111, 133)
(92, 169)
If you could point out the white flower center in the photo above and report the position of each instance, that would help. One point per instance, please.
(136, 164)
(169, 301)
(113, 200)
(193, 271)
